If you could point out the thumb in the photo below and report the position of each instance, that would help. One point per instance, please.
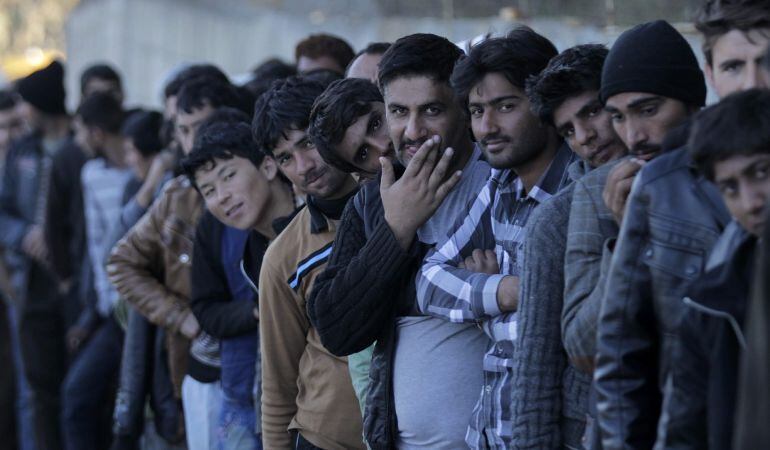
(388, 177)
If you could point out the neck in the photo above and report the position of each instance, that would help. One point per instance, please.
(113, 151)
(463, 152)
(55, 128)
(349, 186)
(281, 205)
(532, 170)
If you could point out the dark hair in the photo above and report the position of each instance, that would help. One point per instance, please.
(318, 45)
(100, 71)
(8, 99)
(143, 128)
(718, 17)
(198, 92)
(286, 106)
(221, 140)
(195, 71)
(323, 76)
(266, 73)
(519, 55)
(340, 105)
(101, 110)
(419, 54)
(738, 125)
(572, 72)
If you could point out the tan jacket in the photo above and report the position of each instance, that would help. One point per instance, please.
(150, 267)
(304, 387)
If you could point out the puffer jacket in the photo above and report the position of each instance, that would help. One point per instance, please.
(150, 267)
(673, 219)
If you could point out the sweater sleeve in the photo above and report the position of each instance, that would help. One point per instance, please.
(283, 330)
(356, 294)
(539, 359)
(212, 302)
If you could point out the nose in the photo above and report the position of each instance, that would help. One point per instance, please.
(381, 144)
(223, 196)
(752, 200)
(584, 136)
(414, 128)
(635, 134)
(303, 163)
(486, 125)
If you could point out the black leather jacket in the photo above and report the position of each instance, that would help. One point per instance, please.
(672, 220)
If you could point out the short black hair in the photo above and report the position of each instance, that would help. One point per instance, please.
(101, 110)
(143, 128)
(266, 73)
(285, 106)
(715, 18)
(100, 71)
(572, 72)
(738, 125)
(517, 56)
(8, 99)
(318, 45)
(340, 105)
(195, 71)
(419, 54)
(198, 92)
(222, 136)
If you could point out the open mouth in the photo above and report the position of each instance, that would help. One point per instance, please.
(234, 210)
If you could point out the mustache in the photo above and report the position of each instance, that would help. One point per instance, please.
(644, 148)
(313, 175)
(411, 143)
(494, 137)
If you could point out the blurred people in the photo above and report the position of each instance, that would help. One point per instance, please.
(323, 51)
(364, 64)
(101, 78)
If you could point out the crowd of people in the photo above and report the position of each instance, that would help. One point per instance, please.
(416, 246)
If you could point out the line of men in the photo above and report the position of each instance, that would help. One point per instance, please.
(513, 248)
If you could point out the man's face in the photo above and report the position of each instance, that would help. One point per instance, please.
(111, 87)
(306, 64)
(737, 61)
(365, 66)
(744, 182)
(417, 108)
(11, 127)
(187, 125)
(300, 162)
(507, 131)
(235, 191)
(366, 140)
(587, 127)
(85, 137)
(642, 120)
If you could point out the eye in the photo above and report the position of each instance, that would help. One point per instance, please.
(506, 107)
(594, 111)
(284, 159)
(230, 175)
(397, 111)
(760, 172)
(732, 66)
(376, 123)
(362, 154)
(568, 132)
(308, 144)
(728, 190)
(208, 192)
(617, 117)
(650, 110)
(432, 111)
(476, 111)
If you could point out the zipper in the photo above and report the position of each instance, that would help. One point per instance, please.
(253, 285)
(722, 315)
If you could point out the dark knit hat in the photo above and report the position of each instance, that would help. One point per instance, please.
(44, 89)
(655, 58)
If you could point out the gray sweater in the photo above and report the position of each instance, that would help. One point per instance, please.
(550, 397)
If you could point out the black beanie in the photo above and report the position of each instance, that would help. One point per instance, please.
(655, 58)
(44, 89)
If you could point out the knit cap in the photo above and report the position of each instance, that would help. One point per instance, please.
(44, 89)
(654, 58)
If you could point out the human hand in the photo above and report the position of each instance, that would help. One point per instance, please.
(190, 327)
(618, 187)
(482, 261)
(508, 294)
(75, 338)
(33, 244)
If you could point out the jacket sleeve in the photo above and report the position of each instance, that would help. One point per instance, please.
(539, 360)
(626, 375)
(355, 296)
(454, 294)
(586, 265)
(283, 330)
(13, 225)
(212, 301)
(135, 268)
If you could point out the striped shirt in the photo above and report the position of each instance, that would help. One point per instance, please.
(495, 220)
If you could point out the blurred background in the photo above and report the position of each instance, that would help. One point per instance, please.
(146, 39)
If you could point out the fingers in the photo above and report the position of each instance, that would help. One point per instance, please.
(447, 186)
(388, 178)
(439, 172)
(422, 155)
(490, 255)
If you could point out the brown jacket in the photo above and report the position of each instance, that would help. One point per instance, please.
(150, 267)
(304, 387)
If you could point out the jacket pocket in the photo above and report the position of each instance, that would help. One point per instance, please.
(680, 262)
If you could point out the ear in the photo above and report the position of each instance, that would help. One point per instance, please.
(269, 168)
(709, 72)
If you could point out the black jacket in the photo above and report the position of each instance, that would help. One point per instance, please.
(699, 413)
(368, 282)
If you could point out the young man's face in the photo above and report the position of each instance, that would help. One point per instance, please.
(366, 140)
(642, 120)
(587, 127)
(744, 182)
(507, 131)
(737, 61)
(235, 191)
(300, 162)
(417, 108)
(11, 127)
(187, 125)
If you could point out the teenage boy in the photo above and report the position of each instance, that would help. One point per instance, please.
(530, 165)
(367, 292)
(549, 395)
(307, 396)
(97, 339)
(642, 303)
(243, 191)
(729, 144)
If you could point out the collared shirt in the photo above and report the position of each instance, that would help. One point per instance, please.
(495, 220)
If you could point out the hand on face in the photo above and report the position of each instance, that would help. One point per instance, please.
(618, 187)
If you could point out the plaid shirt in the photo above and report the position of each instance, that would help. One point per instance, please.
(496, 220)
